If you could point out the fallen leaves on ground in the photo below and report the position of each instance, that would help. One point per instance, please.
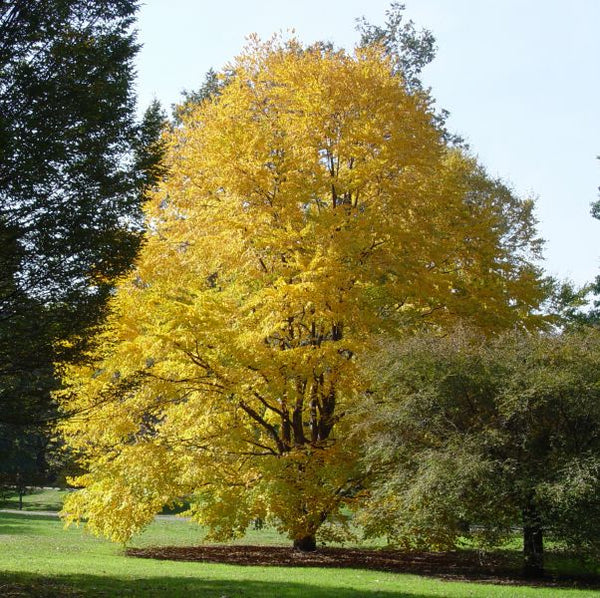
(453, 566)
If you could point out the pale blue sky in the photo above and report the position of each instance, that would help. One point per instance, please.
(521, 79)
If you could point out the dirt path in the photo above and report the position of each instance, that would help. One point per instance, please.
(23, 512)
(55, 514)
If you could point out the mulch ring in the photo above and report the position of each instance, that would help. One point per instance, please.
(451, 566)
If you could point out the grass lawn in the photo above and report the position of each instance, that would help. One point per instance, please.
(40, 558)
(36, 499)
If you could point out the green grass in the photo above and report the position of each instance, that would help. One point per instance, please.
(36, 499)
(40, 558)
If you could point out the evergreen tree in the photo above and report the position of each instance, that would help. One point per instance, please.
(73, 166)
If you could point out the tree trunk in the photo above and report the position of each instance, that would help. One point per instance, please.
(20, 490)
(306, 543)
(533, 542)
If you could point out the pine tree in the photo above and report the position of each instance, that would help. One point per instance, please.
(73, 166)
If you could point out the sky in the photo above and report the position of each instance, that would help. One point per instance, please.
(521, 79)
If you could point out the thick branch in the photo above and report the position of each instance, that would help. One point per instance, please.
(266, 425)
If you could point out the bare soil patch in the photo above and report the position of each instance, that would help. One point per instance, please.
(457, 566)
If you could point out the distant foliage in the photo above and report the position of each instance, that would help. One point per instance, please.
(410, 50)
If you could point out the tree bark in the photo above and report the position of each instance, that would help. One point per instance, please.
(306, 543)
(533, 542)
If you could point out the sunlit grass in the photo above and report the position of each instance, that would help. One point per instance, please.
(40, 558)
(35, 499)
(37, 547)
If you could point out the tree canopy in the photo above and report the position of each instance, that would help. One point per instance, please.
(67, 124)
(310, 207)
(493, 433)
(73, 166)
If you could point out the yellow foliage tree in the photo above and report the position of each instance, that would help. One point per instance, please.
(310, 207)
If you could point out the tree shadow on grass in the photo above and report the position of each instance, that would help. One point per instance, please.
(50, 503)
(460, 565)
(16, 524)
(86, 586)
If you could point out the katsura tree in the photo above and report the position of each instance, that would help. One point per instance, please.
(469, 436)
(310, 207)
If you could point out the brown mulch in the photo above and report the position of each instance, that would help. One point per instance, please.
(456, 566)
